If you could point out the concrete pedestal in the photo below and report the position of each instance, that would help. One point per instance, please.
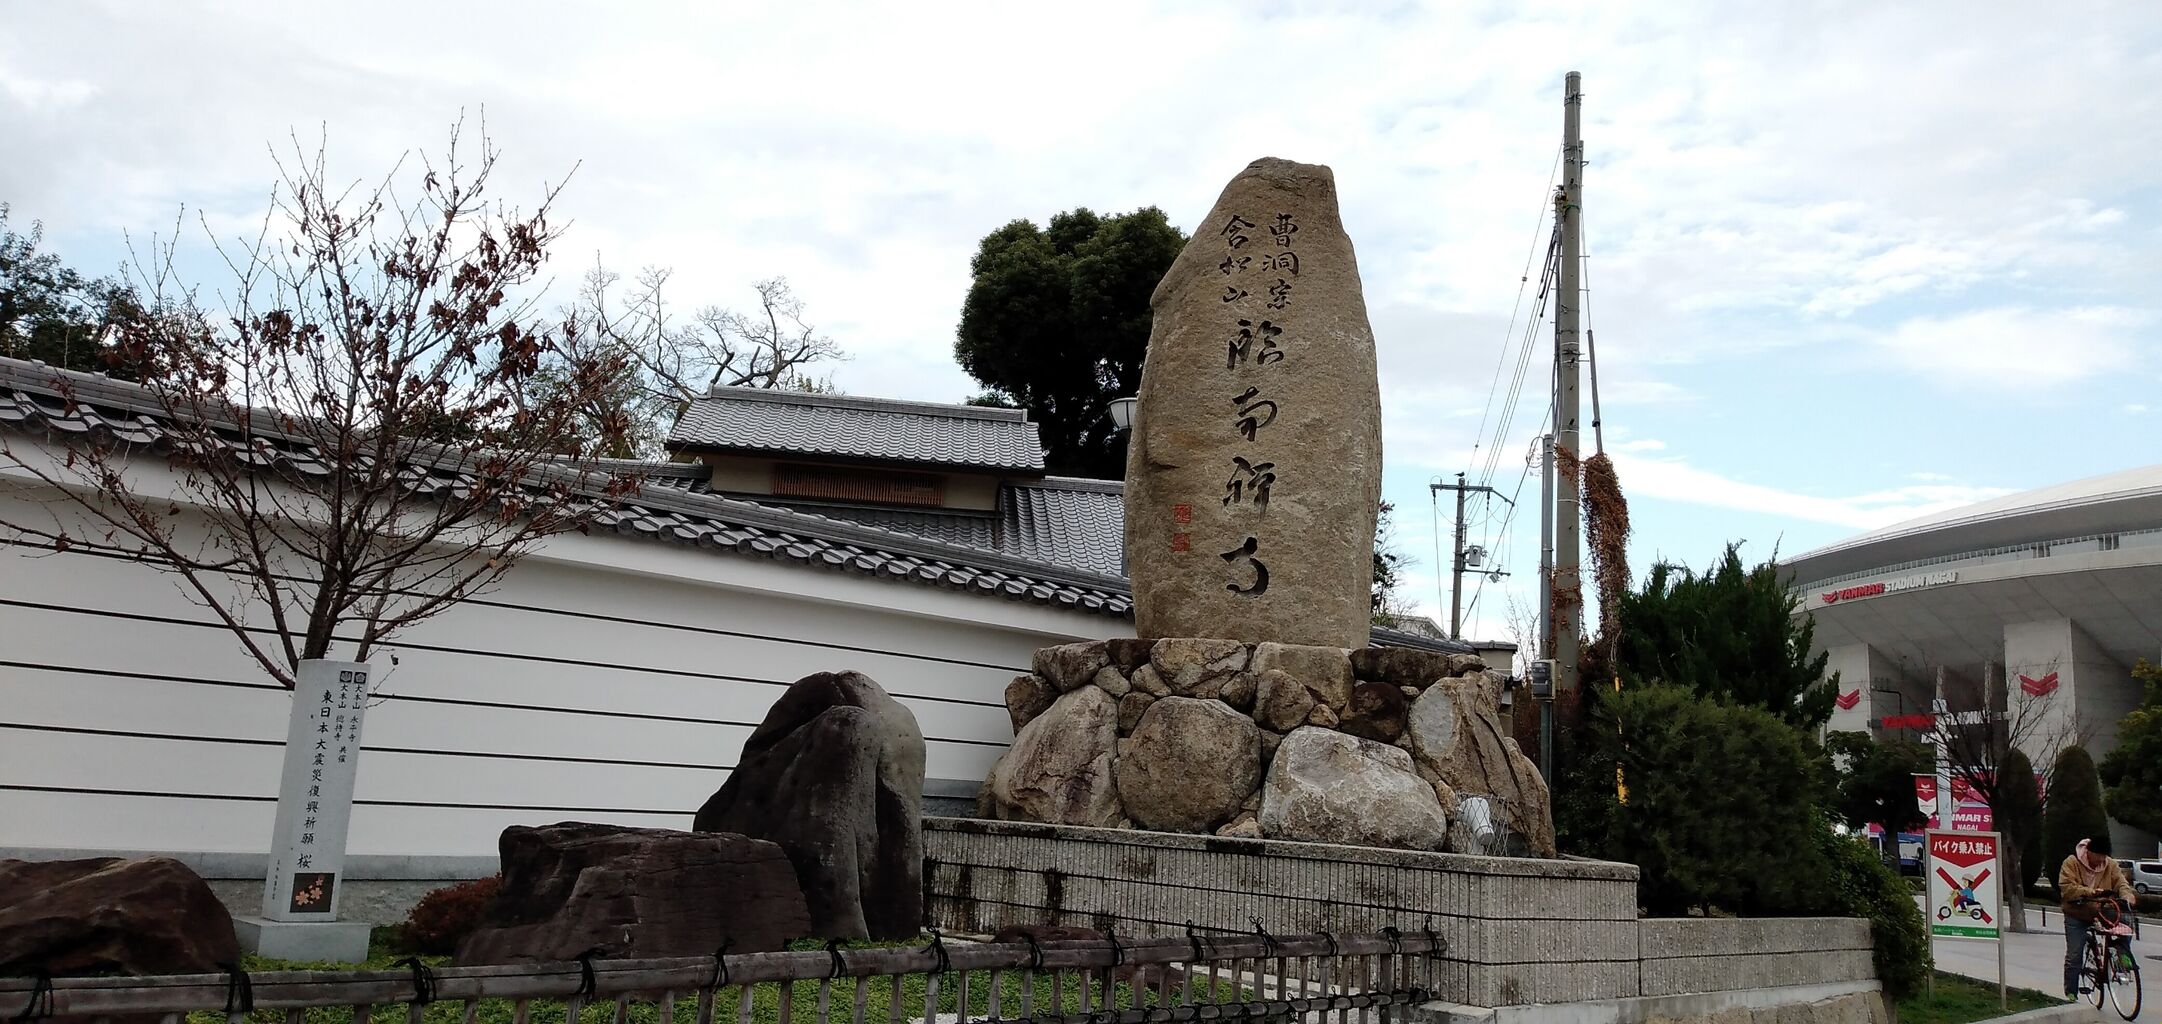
(344, 942)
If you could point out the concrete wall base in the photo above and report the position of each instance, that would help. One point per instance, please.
(1854, 1002)
(343, 942)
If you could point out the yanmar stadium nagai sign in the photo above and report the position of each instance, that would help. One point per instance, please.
(1891, 586)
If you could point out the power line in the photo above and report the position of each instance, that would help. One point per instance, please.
(1523, 281)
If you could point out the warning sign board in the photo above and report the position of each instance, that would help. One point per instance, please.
(1964, 885)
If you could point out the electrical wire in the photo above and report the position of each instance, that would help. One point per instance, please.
(1523, 281)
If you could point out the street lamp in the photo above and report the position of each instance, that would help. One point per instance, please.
(1122, 413)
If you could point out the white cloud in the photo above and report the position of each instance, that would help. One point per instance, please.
(1674, 479)
(2016, 347)
(2135, 408)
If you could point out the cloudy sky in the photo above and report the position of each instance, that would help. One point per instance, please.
(1850, 262)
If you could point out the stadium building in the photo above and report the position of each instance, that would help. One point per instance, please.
(2037, 603)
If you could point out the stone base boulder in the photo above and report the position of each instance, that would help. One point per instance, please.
(636, 893)
(1189, 765)
(111, 915)
(1058, 770)
(835, 776)
(1332, 787)
(1188, 729)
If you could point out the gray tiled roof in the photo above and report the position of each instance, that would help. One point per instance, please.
(1039, 555)
(840, 426)
(665, 506)
(1065, 521)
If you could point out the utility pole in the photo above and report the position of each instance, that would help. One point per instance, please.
(1543, 644)
(1568, 587)
(1456, 571)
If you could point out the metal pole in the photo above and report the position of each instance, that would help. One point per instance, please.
(1545, 640)
(2004, 925)
(1569, 618)
(1543, 644)
(1456, 573)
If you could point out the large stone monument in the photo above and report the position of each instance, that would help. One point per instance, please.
(1249, 704)
(1254, 472)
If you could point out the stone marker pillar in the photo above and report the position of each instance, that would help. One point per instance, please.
(1255, 467)
(315, 805)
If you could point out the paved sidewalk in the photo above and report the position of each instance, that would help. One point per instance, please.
(2036, 960)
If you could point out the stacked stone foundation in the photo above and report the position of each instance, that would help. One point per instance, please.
(1388, 747)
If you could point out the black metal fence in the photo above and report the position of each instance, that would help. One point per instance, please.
(1200, 977)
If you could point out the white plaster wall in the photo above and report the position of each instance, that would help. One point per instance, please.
(606, 678)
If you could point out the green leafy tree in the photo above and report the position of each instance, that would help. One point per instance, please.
(1861, 885)
(1721, 803)
(1057, 322)
(2017, 811)
(50, 312)
(2074, 811)
(2133, 771)
(1729, 632)
(1876, 780)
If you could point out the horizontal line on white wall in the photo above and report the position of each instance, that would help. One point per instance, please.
(85, 550)
(243, 740)
(155, 795)
(465, 702)
(441, 649)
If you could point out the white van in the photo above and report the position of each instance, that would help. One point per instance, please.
(2145, 876)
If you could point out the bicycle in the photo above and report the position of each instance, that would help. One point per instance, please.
(2113, 973)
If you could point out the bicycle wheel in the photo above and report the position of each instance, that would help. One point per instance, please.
(2124, 989)
(2097, 971)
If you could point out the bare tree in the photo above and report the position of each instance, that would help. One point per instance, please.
(671, 360)
(355, 442)
(1980, 723)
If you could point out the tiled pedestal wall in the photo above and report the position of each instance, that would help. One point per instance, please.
(1519, 931)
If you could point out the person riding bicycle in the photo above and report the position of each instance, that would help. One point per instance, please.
(2087, 876)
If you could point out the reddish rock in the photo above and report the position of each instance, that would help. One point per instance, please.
(108, 915)
(636, 893)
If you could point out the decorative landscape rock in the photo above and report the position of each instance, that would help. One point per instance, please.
(111, 915)
(1093, 757)
(636, 893)
(835, 776)
(1332, 787)
(1059, 768)
(1026, 697)
(1254, 469)
(1376, 712)
(1189, 765)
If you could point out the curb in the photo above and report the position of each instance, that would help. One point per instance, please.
(2065, 1014)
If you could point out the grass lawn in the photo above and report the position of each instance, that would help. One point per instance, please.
(1959, 1000)
(765, 998)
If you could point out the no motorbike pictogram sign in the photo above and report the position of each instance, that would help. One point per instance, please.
(1964, 886)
